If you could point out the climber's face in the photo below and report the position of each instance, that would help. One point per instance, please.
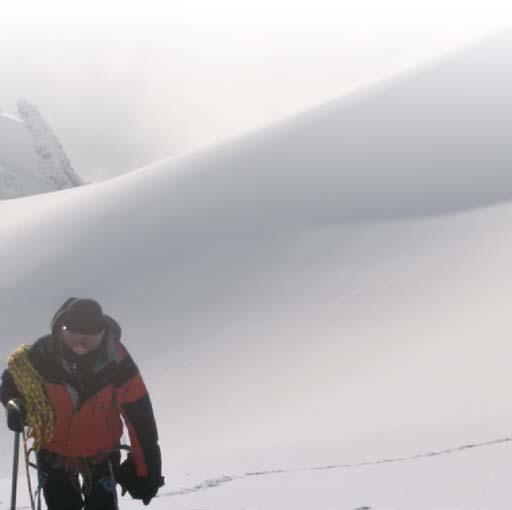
(79, 343)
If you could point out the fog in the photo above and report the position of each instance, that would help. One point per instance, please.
(321, 294)
(124, 87)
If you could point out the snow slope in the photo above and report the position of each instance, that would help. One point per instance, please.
(306, 283)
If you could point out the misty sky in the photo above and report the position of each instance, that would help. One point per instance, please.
(124, 86)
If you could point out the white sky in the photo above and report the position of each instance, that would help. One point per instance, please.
(126, 83)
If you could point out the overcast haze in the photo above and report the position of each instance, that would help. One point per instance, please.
(123, 87)
(320, 309)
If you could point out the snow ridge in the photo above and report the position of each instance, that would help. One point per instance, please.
(53, 162)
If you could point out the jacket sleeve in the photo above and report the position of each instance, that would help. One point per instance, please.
(8, 389)
(137, 411)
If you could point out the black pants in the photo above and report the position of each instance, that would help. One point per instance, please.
(62, 488)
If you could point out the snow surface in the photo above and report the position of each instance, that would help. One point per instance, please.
(330, 290)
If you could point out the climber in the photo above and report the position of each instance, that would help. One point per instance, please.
(73, 386)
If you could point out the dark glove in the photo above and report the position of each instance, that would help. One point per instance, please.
(15, 415)
(144, 488)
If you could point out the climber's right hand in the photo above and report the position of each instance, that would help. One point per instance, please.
(15, 414)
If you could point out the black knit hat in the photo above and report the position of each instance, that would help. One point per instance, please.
(84, 316)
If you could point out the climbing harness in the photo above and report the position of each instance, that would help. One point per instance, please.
(84, 472)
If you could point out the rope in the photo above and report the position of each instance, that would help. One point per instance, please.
(39, 413)
(26, 452)
(86, 472)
